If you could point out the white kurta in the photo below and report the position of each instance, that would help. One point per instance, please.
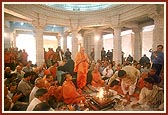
(32, 104)
(33, 91)
(147, 95)
(131, 79)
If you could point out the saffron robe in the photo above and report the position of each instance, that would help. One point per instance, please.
(96, 79)
(70, 93)
(81, 67)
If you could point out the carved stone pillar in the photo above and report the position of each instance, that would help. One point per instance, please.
(14, 35)
(58, 39)
(39, 46)
(65, 41)
(97, 44)
(38, 33)
(74, 26)
(157, 14)
(7, 34)
(158, 31)
(88, 41)
(117, 51)
(75, 44)
(137, 49)
(133, 44)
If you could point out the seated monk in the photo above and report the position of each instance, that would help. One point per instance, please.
(96, 77)
(48, 80)
(71, 95)
(56, 91)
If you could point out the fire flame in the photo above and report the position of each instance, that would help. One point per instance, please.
(101, 94)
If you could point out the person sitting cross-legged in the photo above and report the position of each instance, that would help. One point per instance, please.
(150, 95)
(96, 77)
(71, 95)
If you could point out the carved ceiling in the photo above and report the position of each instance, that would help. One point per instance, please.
(103, 19)
(81, 7)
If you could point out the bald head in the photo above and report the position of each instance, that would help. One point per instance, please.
(82, 49)
(39, 82)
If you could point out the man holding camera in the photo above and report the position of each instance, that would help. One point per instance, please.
(157, 59)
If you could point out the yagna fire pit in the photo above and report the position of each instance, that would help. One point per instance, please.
(102, 100)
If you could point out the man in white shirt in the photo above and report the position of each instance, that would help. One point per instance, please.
(40, 96)
(129, 76)
(150, 95)
(39, 83)
(107, 73)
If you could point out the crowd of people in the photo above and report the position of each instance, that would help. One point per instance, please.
(60, 79)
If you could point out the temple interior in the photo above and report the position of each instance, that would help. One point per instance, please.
(46, 36)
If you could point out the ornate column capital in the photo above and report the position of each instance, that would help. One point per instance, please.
(59, 36)
(159, 21)
(97, 31)
(40, 22)
(157, 14)
(158, 10)
(136, 29)
(117, 31)
(130, 25)
(115, 21)
(66, 33)
(74, 24)
(15, 33)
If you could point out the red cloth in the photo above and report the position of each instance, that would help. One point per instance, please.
(140, 83)
(53, 71)
(118, 89)
(46, 72)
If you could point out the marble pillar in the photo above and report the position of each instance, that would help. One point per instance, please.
(133, 44)
(88, 41)
(59, 40)
(39, 25)
(39, 46)
(65, 41)
(137, 52)
(7, 35)
(14, 39)
(158, 31)
(75, 44)
(98, 42)
(117, 51)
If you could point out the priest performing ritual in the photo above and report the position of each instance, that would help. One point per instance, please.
(81, 67)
